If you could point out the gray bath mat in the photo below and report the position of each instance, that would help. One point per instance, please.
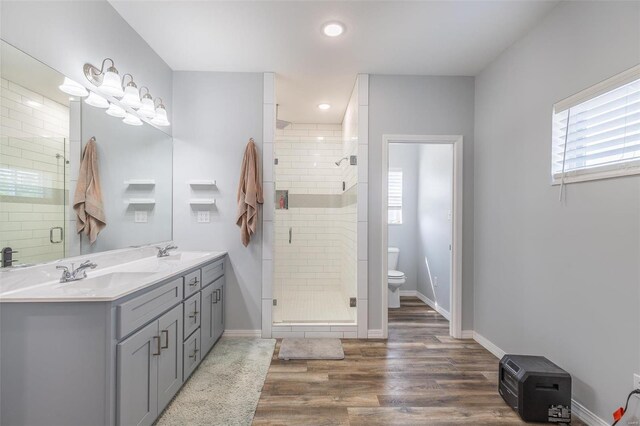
(225, 388)
(311, 349)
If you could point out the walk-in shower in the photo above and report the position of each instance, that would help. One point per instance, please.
(315, 253)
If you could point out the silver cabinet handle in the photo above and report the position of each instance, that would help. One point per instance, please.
(51, 235)
(165, 333)
(214, 297)
(194, 314)
(194, 282)
(290, 234)
(158, 346)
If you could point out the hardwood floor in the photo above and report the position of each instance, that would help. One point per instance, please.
(420, 376)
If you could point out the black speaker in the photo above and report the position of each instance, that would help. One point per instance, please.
(537, 389)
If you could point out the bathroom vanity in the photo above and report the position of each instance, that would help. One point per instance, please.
(112, 348)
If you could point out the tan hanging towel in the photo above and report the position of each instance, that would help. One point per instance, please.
(87, 201)
(249, 194)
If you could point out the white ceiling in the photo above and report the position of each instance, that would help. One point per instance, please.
(416, 37)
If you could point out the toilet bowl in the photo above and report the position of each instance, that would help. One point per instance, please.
(395, 278)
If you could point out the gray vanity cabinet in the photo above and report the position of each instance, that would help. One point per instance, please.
(149, 369)
(112, 363)
(138, 377)
(170, 359)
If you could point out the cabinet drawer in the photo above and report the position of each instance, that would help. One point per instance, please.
(212, 272)
(144, 308)
(192, 283)
(191, 314)
(191, 354)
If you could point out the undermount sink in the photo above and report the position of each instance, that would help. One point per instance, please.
(113, 279)
(184, 256)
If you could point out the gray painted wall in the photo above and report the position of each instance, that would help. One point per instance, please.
(419, 105)
(215, 115)
(557, 279)
(434, 233)
(405, 157)
(66, 34)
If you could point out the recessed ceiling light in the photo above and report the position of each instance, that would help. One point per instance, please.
(333, 29)
(324, 106)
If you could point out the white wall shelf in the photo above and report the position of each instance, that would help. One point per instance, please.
(202, 182)
(141, 201)
(202, 201)
(146, 182)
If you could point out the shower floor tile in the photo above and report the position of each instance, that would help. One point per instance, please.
(313, 306)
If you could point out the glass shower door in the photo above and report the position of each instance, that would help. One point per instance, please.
(33, 199)
(315, 258)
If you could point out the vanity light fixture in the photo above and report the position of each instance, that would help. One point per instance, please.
(324, 107)
(116, 111)
(108, 82)
(333, 29)
(72, 88)
(148, 109)
(131, 94)
(161, 115)
(132, 120)
(96, 100)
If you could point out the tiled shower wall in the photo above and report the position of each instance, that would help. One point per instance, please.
(315, 272)
(33, 130)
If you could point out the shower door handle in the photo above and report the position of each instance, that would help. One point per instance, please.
(51, 235)
(290, 234)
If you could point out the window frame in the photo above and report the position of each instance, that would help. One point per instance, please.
(606, 171)
(390, 208)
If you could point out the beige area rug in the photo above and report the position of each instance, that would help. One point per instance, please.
(225, 388)
(311, 349)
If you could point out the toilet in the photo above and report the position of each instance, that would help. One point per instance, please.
(395, 278)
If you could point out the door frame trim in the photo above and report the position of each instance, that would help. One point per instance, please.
(455, 325)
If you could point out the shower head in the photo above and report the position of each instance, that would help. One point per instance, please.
(337, 163)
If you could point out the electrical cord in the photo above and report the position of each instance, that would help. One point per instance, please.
(621, 411)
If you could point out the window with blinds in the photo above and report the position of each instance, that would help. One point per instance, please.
(596, 133)
(395, 197)
(21, 183)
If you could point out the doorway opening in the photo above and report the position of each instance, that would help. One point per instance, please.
(422, 224)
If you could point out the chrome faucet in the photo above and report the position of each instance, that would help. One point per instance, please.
(164, 251)
(75, 274)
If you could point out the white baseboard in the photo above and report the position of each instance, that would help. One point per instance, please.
(242, 333)
(407, 293)
(434, 305)
(467, 334)
(374, 334)
(577, 409)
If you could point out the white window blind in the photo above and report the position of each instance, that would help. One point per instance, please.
(603, 135)
(21, 183)
(395, 197)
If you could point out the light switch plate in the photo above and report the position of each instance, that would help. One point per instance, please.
(636, 381)
(140, 216)
(204, 216)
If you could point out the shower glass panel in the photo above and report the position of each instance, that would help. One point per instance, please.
(315, 259)
(33, 190)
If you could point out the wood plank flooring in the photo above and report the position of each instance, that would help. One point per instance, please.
(420, 376)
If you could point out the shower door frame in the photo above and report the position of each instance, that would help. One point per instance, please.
(455, 325)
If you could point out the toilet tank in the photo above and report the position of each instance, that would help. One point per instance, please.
(392, 261)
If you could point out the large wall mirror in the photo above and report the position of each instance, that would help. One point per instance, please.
(42, 136)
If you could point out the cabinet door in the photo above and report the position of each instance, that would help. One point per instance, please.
(170, 359)
(191, 314)
(207, 329)
(137, 358)
(218, 308)
(191, 354)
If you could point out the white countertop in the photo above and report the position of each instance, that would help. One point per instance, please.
(117, 278)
